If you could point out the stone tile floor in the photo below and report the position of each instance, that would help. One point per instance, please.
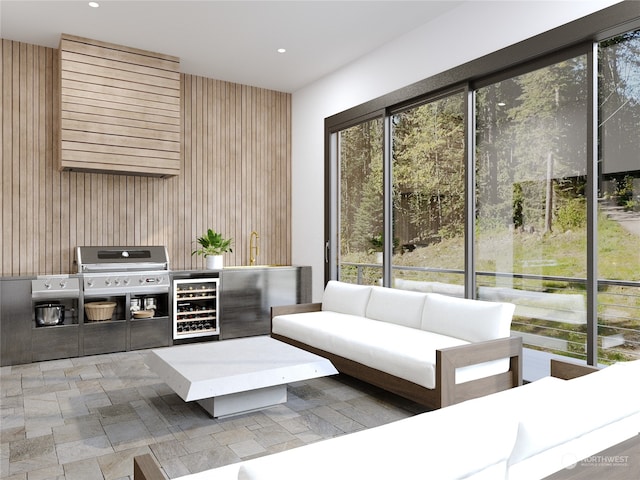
(86, 418)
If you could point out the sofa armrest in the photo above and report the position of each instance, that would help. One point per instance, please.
(297, 308)
(449, 359)
(145, 468)
(568, 370)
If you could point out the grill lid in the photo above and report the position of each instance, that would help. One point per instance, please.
(121, 259)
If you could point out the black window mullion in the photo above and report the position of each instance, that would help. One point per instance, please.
(592, 207)
(470, 195)
(388, 201)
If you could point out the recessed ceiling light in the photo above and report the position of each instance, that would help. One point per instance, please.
(94, 4)
(282, 50)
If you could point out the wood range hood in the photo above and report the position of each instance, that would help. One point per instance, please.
(119, 109)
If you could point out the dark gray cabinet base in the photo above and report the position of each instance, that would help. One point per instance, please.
(15, 321)
(104, 337)
(149, 333)
(51, 343)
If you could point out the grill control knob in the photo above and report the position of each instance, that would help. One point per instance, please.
(90, 282)
(107, 282)
(117, 281)
(63, 284)
(127, 281)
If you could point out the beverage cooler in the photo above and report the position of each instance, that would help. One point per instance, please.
(195, 309)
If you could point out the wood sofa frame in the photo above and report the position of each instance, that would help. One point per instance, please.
(145, 467)
(447, 392)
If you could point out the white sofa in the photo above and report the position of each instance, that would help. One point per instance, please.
(433, 349)
(525, 433)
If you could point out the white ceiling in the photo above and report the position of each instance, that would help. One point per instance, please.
(234, 41)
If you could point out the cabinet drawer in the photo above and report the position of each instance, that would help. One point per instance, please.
(104, 337)
(149, 333)
(50, 343)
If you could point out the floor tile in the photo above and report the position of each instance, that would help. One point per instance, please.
(78, 428)
(86, 418)
(127, 434)
(248, 448)
(87, 469)
(120, 464)
(85, 448)
(32, 454)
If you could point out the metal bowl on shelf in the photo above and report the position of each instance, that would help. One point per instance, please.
(48, 314)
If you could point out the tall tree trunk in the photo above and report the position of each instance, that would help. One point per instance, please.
(548, 211)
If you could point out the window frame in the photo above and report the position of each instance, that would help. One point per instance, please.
(581, 36)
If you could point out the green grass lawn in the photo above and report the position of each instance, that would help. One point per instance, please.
(557, 254)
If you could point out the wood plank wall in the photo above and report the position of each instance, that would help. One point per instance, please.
(235, 176)
(120, 108)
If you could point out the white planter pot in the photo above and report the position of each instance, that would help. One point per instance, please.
(214, 262)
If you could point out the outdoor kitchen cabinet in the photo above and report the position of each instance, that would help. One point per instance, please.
(150, 332)
(123, 332)
(249, 293)
(104, 337)
(15, 325)
(51, 343)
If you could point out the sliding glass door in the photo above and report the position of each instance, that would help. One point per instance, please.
(531, 180)
(428, 172)
(619, 197)
(360, 197)
(520, 185)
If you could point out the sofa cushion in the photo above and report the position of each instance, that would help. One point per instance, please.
(470, 320)
(394, 349)
(551, 420)
(396, 306)
(400, 351)
(449, 443)
(317, 329)
(346, 298)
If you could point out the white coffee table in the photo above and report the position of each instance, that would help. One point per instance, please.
(229, 377)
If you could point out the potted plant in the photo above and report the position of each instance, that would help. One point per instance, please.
(377, 247)
(213, 245)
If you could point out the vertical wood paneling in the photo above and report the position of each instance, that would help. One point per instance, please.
(235, 175)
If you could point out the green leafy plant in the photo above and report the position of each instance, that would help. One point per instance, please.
(377, 243)
(212, 243)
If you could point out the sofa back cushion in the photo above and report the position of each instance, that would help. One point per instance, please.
(396, 306)
(470, 320)
(346, 298)
(551, 420)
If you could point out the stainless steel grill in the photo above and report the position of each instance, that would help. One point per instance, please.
(117, 270)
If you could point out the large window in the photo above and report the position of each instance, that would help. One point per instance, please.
(619, 197)
(523, 185)
(428, 171)
(361, 203)
(531, 163)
